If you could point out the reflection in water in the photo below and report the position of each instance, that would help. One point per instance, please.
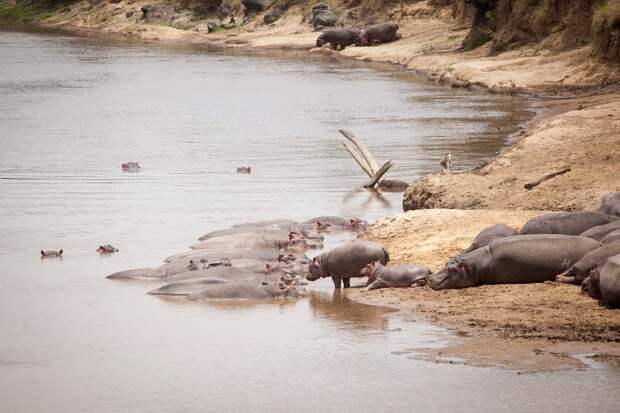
(338, 308)
(373, 195)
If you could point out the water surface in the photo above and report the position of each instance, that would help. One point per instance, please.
(73, 109)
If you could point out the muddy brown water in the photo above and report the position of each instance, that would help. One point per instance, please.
(73, 109)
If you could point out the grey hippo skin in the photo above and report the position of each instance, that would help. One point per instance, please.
(490, 234)
(589, 262)
(600, 231)
(395, 276)
(605, 286)
(610, 204)
(514, 260)
(346, 261)
(339, 39)
(235, 291)
(379, 33)
(278, 239)
(566, 223)
(611, 237)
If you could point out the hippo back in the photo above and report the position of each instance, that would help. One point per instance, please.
(600, 231)
(609, 282)
(565, 223)
(532, 258)
(611, 237)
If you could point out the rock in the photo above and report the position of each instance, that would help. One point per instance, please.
(273, 15)
(322, 16)
(254, 6)
(157, 14)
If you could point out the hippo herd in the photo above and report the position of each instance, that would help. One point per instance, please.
(342, 37)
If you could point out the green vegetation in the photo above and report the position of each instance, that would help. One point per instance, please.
(22, 13)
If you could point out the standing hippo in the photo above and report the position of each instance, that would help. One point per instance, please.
(591, 261)
(605, 286)
(565, 223)
(396, 276)
(339, 39)
(379, 33)
(600, 231)
(346, 261)
(490, 234)
(513, 260)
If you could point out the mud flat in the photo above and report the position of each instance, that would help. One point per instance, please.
(530, 327)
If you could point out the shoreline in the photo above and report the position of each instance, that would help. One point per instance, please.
(517, 343)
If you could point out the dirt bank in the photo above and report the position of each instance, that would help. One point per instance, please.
(530, 326)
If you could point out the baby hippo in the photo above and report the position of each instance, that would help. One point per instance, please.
(396, 276)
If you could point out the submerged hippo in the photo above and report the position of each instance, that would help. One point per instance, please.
(490, 234)
(346, 261)
(513, 260)
(339, 39)
(379, 33)
(396, 276)
(605, 285)
(231, 291)
(51, 254)
(589, 262)
(106, 249)
(600, 231)
(245, 170)
(566, 223)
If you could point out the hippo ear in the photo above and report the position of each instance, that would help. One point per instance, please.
(42, 252)
(314, 259)
(60, 252)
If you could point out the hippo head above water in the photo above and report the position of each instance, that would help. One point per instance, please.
(454, 275)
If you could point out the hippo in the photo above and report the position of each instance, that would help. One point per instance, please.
(379, 33)
(276, 239)
(346, 261)
(286, 224)
(565, 223)
(600, 231)
(301, 244)
(51, 254)
(611, 237)
(589, 262)
(106, 249)
(610, 204)
(396, 276)
(245, 170)
(513, 260)
(130, 166)
(489, 234)
(339, 38)
(605, 285)
(246, 291)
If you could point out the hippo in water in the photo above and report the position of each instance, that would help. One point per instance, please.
(490, 234)
(589, 262)
(605, 285)
(51, 254)
(346, 261)
(395, 276)
(566, 223)
(513, 260)
(106, 249)
(379, 33)
(247, 291)
(244, 170)
(339, 38)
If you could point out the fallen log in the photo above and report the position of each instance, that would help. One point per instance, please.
(378, 175)
(544, 178)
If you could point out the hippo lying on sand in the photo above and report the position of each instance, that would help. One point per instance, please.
(610, 204)
(600, 231)
(611, 237)
(513, 260)
(605, 286)
(589, 262)
(339, 39)
(396, 276)
(379, 33)
(276, 239)
(51, 254)
(346, 261)
(566, 223)
(490, 234)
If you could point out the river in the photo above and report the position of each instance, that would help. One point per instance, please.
(72, 109)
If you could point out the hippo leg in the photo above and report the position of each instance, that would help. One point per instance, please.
(334, 46)
(337, 282)
(566, 280)
(347, 282)
(375, 285)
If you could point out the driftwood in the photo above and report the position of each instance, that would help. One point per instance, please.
(542, 179)
(366, 161)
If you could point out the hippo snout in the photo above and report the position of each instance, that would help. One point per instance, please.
(312, 277)
(437, 280)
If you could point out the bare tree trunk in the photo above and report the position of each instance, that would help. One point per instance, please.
(542, 179)
(363, 150)
(356, 156)
(378, 175)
